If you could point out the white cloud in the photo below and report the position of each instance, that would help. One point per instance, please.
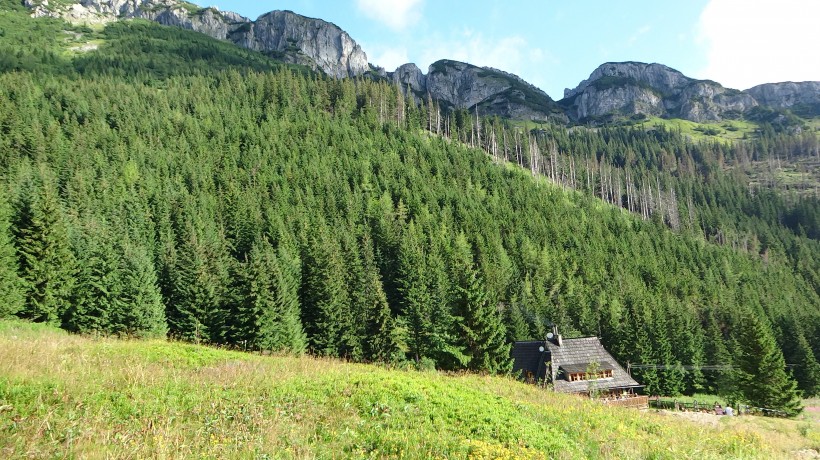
(510, 54)
(395, 14)
(637, 35)
(388, 57)
(750, 42)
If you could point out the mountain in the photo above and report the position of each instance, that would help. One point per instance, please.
(802, 98)
(614, 89)
(281, 34)
(459, 85)
(629, 88)
(169, 181)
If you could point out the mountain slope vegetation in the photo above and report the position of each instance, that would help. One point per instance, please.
(265, 207)
(72, 396)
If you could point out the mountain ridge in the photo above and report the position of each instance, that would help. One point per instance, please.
(614, 89)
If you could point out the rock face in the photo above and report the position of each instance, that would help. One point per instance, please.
(410, 76)
(286, 35)
(787, 95)
(613, 89)
(296, 37)
(628, 88)
(464, 86)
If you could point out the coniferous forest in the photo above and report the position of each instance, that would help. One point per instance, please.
(170, 184)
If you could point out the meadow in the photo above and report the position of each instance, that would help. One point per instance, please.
(71, 396)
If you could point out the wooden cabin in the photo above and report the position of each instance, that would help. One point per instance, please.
(579, 366)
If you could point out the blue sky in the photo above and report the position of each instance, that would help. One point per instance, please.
(555, 44)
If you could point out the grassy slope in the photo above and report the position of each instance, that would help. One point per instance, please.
(70, 396)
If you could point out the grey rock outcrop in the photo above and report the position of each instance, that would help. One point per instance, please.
(627, 88)
(657, 76)
(284, 34)
(787, 94)
(464, 86)
(410, 76)
(296, 37)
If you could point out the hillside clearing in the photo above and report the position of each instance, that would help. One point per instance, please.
(69, 396)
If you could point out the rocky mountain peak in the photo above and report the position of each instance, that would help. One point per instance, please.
(789, 95)
(657, 76)
(464, 86)
(284, 34)
(304, 40)
(628, 88)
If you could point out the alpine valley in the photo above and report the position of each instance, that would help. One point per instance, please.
(176, 179)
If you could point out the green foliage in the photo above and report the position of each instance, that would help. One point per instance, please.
(11, 286)
(479, 321)
(761, 374)
(46, 262)
(176, 399)
(274, 210)
(268, 315)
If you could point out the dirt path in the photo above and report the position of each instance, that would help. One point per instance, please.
(705, 418)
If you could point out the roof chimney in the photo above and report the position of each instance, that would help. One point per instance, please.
(553, 336)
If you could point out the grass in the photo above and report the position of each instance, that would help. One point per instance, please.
(724, 131)
(63, 396)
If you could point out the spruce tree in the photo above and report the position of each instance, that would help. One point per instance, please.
(325, 299)
(270, 301)
(761, 369)
(11, 286)
(383, 339)
(97, 294)
(47, 263)
(416, 301)
(142, 311)
(806, 368)
(199, 286)
(481, 326)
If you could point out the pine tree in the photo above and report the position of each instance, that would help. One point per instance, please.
(806, 368)
(143, 311)
(761, 369)
(97, 295)
(482, 330)
(383, 338)
(47, 264)
(11, 286)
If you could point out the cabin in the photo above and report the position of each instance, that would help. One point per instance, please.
(579, 366)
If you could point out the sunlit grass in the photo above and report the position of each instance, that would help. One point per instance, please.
(68, 396)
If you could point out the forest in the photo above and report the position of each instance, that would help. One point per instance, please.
(168, 184)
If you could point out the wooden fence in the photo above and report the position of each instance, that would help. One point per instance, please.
(702, 406)
(640, 402)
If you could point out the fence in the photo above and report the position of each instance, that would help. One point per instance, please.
(640, 402)
(698, 406)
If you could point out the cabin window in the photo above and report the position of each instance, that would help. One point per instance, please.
(579, 376)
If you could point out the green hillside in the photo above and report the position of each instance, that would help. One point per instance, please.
(65, 396)
(170, 184)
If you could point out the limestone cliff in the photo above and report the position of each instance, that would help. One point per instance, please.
(296, 37)
(286, 35)
(627, 88)
(465, 86)
(802, 96)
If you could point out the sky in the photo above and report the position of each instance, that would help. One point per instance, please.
(554, 44)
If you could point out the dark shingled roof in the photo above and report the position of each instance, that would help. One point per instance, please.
(577, 353)
(527, 357)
